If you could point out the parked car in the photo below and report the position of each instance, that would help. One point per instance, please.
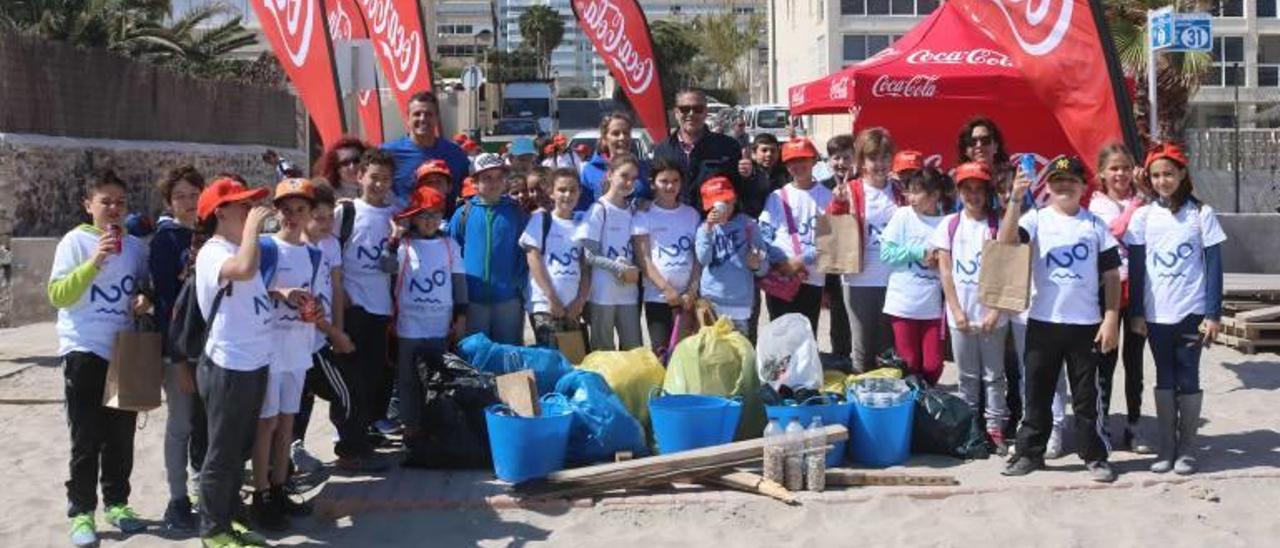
(641, 144)
(509, 129)
(767, 119)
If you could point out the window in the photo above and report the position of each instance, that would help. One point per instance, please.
(1228, 8)
(1267, 8)
(877, 7)
(858, 47)
(1268, 61)
(465, 50)
(455, 29)
(889, 7)
(853, 7)
(1228, 62)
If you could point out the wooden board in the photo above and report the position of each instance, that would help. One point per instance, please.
(519, 391)
(859, 478)
(1251, 285)
(1249, 346)
(1259, 315)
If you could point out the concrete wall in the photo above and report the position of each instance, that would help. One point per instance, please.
(1253, 242)
(25, 301)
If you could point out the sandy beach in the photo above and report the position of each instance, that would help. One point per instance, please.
(1231, 503)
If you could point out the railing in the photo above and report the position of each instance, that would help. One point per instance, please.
(1212, 148)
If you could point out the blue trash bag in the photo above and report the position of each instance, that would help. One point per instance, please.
(548, 364)
(601, 424)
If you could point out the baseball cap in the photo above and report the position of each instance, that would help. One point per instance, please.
(717, 189)
(972, 170)
(224, 191)
(469, 145)
(487, 161)
(907, 159)
(295, 187)
(468, 187)
(459, 138)
(522, 146)
(582, 148)
(560, 140)
(424, 198)
(1068, 167)
(1166, 151)
(798, 149)
(433, 166)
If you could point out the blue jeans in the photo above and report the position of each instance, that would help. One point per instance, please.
(503, 322)
(1176, 349)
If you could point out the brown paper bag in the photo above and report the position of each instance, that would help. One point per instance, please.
(1004, 281)
(136, 372)
(572, 344)
(839, 242)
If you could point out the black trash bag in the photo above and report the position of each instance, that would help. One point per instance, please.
(769, 396)
(945, 425)
(890, 359)
(452, 432)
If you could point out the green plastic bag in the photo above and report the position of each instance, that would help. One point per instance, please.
(719, 361)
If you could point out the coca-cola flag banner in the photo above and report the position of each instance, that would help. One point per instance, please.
(1064, 48)
(620, 33)
(395, 26)
(346, 22)
(299, 37)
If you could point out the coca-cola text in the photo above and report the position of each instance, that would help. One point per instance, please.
(979, 57)
(917, 86)
(605, 24)
(401, 48)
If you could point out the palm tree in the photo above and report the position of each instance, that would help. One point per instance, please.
(543, 31)
(206, 48)
(1178, 74)
(724, 44)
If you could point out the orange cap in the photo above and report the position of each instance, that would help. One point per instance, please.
(424, 199)
(907, 159)
(468, 187)
(460, 138)
(224, 191)
(1166, 151)
(295, 187)
(433, 166)
(717, 189)
(469, 145)
(972, 170)
(560, 140)
(798, 148)
(582, 148)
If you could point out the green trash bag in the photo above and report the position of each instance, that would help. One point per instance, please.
(719, 361)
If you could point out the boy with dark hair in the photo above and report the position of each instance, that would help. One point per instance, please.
(840, 162)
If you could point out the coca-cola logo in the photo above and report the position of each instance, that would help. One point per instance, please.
(797, 95)
(979, 56)
(401, 48)
(339, 22)
(294, 22)
(605, 23)
(839, 88)
(1032, 29)
(917, 86)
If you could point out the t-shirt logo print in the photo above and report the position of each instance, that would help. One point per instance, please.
(1170, 264)
(563, 262)
(1062, 260)
(371, 254)
(969, 269)
(676, 254)
(112, 294)
(427, 285)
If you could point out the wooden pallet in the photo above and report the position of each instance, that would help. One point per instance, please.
(1249, 346)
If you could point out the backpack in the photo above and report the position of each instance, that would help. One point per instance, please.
(955, 224)
(188, 328)
(348, 209)
(546, 229)
(269, 259)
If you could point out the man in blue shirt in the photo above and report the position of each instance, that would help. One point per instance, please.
(422, 144)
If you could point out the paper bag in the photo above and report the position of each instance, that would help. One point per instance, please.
(839, 243)
(572, 344)
(136, 372)
(1004, 282)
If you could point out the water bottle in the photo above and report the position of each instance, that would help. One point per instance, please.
(795, 455)
(774, 453)
(815, 456)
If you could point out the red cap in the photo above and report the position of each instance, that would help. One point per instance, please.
(582, 148)
(460, 138)
(972, 170)
(433, 166)
(1166, 151)
(799, 148)
(907, 159)
(225, 191)
(560, 140)
(469, 145)
(717, 189)
(468, 187)
(424, 198)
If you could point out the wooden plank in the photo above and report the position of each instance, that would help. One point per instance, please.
(1237, 284)
(750, 483)
(857, 478)
(1261, 314)
(520, 392)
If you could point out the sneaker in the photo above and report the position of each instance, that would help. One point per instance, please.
(246, 536)
(1100, 471)
(369, 463)
(124, 519)
(997, 440)
(303, 461)
(1136, 442)
(286, 506)
(1022, 466)
(388, 427)
(1053, 450)
(265, 513)
(179, 517)
(84, 530)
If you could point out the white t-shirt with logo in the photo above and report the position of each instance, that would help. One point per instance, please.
(1064, 265)
(671, 233)
(966, 262)
(1175, 245)
(330, 258)
(562, 257)
(293, 337)
(914, 291)
(241, 336)
(806, 206)
(91, 324)
(880, 206)
(425, 289)
(366, 284)
(611, 226)
(1109, 210)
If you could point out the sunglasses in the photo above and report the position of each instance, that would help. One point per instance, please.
(348, 162)
(692, 109)
(982, 141)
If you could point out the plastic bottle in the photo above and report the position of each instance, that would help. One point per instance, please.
(815, 456)
(775, 456)
(795, 455)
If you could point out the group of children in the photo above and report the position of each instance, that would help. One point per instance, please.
(307, 310)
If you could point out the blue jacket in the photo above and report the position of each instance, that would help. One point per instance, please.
(593, 176)
(170, 247)
(408, 156)
(722, 252)
(496, 266)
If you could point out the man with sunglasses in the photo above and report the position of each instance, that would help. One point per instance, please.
(701, 153)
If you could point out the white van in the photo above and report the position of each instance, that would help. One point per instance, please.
(767, 119)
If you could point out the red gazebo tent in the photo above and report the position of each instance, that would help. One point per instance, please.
(925, 86)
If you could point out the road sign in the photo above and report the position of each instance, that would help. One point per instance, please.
(1161, 24)
(472, 77)
(1180, 31)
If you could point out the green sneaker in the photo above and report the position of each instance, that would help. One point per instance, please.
(247, 536)
(84, 530)
(124, 519)
(225, 540)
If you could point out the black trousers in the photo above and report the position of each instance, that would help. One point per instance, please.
(326, 380)
(659, 318)
(232, 402)
(1130, 353)
(101, 437)
(808, 301)
(367, 370)
(841, 337)
(1048, 346)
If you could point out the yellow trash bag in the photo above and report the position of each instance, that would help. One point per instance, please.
(719, 361)
(631, 375)
(833, 382)
(882, 373)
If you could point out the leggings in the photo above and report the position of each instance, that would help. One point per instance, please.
(1176, 348)
(622, 318)
(1131, 350)
(868, 324)
(919, 343)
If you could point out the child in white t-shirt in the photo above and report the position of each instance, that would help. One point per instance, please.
(1074, 259)
(96, 281)
(663, 237)
(605, 237)
(1175, 281)
(558, 290)
(913, 298)
(431, 298)
(790, 224)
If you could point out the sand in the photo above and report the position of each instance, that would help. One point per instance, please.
(1232, 503)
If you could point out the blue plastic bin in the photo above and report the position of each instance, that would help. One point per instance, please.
(688, 421)
(526, 448)
(832, 412)
(881, 436)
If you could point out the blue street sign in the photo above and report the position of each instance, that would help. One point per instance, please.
(1161, 24)
(1180, 31)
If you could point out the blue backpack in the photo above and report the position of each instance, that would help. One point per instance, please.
(269, 259)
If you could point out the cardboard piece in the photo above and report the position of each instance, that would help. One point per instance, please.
(519, 391)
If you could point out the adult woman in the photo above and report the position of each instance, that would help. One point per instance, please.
(615, 139)
(340, 165)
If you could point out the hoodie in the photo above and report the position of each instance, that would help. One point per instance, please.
(170, 248)
(495, 264)
(722, 251)
(593, 177)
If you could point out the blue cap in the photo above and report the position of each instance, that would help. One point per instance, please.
(522, 146)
